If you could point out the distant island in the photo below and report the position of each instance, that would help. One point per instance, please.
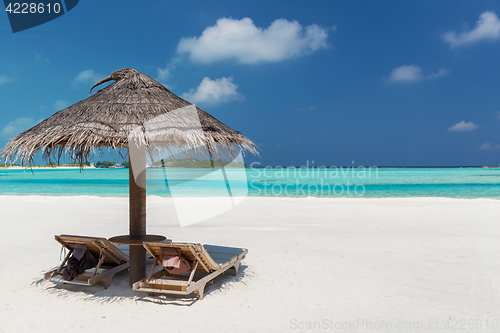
(170, 163)
(51, 165)
(86, 165)
(107, 164)
(191, 163)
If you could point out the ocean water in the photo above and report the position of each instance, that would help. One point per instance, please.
(267, 182)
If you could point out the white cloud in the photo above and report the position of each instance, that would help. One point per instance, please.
(487, 28)
(463, 126)
(412, 73)
(18, 125)
(243, 41)
(489, 146)
(440, 72)
(485, 146)
(61, 104)
(311, 108)
(41, 60)
(213, 92)
(87, 76)
(4, 79)
(164, 74)
(406, 73)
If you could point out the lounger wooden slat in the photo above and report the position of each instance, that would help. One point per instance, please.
(111, 260)
(210, 260)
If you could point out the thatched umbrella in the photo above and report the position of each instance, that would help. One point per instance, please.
(114, 117)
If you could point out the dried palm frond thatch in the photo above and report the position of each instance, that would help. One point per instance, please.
(123, 112)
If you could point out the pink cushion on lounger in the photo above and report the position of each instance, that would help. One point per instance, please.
(173, 261)
(171, 257)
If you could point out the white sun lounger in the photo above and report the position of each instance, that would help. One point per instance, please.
(210, 260)
(111, 260)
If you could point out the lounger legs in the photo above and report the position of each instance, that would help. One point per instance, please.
(200, 292)
(107, 281)
(236, 266)
(50, 274)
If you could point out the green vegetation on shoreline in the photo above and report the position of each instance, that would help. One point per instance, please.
(192, 164)
(48, 166)
(170, 163)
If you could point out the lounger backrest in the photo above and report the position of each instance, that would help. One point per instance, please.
(224, 255)
(113, 251)
(94, 245)
(192, 252)
(197, 252)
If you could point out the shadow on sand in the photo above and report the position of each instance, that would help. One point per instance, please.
(120, 291)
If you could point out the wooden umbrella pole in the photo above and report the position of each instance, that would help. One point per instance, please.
(137, 204)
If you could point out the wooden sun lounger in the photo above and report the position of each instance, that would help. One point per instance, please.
(210, 260)
(110, 261)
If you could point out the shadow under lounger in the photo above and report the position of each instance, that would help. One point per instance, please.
(210, 260)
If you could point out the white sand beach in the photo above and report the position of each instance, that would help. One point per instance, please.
(339, 265)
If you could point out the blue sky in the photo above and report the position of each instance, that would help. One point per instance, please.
(378, 83)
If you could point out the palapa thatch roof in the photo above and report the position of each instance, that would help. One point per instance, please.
(122, 112)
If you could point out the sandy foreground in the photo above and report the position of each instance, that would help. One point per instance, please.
(337, 265)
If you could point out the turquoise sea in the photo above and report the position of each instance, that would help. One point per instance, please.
(270, 182)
